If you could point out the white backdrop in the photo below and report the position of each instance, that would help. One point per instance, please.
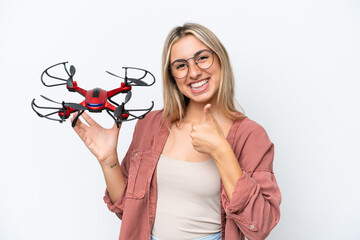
(297, 74)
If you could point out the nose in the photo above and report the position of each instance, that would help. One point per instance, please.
(194, 70)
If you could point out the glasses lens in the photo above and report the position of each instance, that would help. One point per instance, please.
(204, 59)
(179, 68)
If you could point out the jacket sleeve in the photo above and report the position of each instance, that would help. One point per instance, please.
(255, 203)
(118, 206)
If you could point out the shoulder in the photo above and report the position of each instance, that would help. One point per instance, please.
(152, 122)
(252, 145)
(153, 117)
(247, 127)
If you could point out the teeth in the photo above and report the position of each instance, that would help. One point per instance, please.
(199, 84)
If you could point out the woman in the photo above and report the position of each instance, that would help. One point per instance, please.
(198, 169)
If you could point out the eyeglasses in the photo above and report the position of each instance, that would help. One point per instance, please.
(204, 59)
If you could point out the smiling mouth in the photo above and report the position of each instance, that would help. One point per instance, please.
(199, 85)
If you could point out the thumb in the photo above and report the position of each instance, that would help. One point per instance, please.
(116, 127)
(207, 112)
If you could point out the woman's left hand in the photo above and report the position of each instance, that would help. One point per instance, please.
(207, 136)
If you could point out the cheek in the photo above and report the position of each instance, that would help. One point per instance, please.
(216, 68)
(180, 83)
(216, 73)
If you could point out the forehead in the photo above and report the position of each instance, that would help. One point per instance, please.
(186, 47)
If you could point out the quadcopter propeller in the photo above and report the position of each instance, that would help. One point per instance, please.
(69, 82)
(128, 96)
(121, 109)
(72, 70)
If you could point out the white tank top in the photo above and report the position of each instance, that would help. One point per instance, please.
(188, 203)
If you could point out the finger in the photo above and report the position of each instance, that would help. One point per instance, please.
(207, 112)
(88, 119)
(194, 126)
(192, 134)
(115, 127)
(73, 116)
(207, 108)
(79, 131)
(79, 124)
(82, 130)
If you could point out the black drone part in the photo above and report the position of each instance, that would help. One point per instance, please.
(135, 81)
(121, 109)
(63, 109)
(58, 110)
(68, 82)
(75, 106)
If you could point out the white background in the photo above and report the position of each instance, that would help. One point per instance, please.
(297, 67)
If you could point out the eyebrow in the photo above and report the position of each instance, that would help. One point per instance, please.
(182, 59)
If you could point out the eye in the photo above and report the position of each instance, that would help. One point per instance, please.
(202, 57)
(180, 65)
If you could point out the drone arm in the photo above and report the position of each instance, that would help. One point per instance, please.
(109, 107)
(122, 88)
(76, 88)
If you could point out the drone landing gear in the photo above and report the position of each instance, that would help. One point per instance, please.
(77, 117)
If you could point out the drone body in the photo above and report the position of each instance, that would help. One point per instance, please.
(97, 99)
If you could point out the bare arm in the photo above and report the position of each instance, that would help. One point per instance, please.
(250, 198)
(207, 137)
(114, 177)
(228, 167)
(103, 144)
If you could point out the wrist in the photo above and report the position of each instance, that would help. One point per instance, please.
(109, 161)
(221, 150)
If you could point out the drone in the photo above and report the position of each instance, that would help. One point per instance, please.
(97, 99)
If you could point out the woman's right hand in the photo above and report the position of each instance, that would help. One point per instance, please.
(100, 141)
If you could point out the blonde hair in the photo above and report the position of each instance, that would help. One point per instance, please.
(175, 102)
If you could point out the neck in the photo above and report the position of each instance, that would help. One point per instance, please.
(195, 112)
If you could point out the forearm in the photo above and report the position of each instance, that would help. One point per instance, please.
(114, 178)
(228, 167)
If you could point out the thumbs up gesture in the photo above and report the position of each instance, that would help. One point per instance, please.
(207, 135)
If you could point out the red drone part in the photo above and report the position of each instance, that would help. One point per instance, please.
(96, 99)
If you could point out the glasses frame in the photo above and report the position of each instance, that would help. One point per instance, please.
(187, 64)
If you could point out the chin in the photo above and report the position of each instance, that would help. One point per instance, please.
(201, 99)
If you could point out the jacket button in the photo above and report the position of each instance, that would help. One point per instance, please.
(252, 226)
(136, 154)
